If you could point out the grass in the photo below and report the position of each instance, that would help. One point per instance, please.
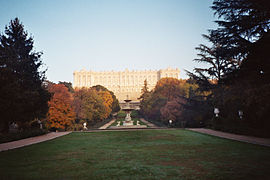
(116, 121)
(122, 114)
(148, 154)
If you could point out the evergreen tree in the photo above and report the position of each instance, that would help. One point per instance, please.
(22, 96)
(145, 88)
(241, 23)
(241, 41)
(219, 65)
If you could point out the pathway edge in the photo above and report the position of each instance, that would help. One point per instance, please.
(32, 140)
(236, 137)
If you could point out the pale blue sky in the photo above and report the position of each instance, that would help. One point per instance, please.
(112, 34)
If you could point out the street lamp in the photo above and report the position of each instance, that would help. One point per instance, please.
(216, 111)
(40, 123)
(240, 113)
(84, 126)
(170, 122)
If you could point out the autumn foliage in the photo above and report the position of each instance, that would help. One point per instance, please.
(168, 87)
(107, 101)
(173, 109)
(88, 105)
(69, 109)
(167, 100)
(61, 114)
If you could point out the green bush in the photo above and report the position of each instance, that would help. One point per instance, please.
(135, 114)
(121, 114)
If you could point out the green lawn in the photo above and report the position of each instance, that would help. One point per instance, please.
(148, 154)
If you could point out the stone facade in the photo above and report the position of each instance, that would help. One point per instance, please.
(122, 83)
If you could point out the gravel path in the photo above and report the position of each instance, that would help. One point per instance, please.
(248, 139)
(105, 126)
(32, 140)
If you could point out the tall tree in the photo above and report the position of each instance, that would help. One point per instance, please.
(107, 101)
(60, 115)
(172, 110)
(241, 41)
(241, 23)
(22, 95)
(89, 105)
(169, 88)
(145, 88)
(115, 104)
(68, 85)
(218, 65)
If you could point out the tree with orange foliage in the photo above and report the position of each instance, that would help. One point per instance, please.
(115, 104)
(60, 115)
(167, 101)
(89, 106)
(169, 87)
(107, 101)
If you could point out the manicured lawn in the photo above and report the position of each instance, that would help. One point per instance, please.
(148, 154)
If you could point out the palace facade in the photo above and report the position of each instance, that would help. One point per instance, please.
(122, 83)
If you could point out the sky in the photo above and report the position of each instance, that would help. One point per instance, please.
(105, 35)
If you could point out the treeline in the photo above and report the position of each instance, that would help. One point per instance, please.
(69, 108)
(28, 100)
(235, 81)
(168, 101)
(238, 74)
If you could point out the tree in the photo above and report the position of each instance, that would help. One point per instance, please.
(169, 88)
(115, 104)
(166, 101)
(242, 23)
(152, 104)
(68, 85)
(172, 110)
(145, 88)
(240, 46)
(144, 98)
(219, 66)
(61, 114)
(107, 101)
(22, 95)
(88, 105)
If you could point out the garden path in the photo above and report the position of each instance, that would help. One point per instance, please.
(31, 140)
(105, 126)
(243, 138)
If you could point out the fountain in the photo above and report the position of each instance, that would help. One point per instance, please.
(128, 122)
(127, 109)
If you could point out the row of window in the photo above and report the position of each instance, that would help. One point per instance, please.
(149, 77)
(114, 78)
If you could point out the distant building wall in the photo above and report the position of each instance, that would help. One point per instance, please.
(122, 83)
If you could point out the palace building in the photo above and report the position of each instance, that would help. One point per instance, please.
(122, 83)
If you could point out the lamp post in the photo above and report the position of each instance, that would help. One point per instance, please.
(216, 111)
(240, 113)
(170, 122)
(84, 126)
(40, 124)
